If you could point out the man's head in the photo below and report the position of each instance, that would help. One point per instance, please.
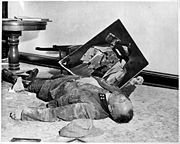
(120, 107)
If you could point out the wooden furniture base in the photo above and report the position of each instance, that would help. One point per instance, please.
(13, 29)
(13, 54)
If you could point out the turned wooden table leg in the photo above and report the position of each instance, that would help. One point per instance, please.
(13, 54)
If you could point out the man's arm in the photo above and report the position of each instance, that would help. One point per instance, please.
(64, 100)
(67, 113)
(130, 87)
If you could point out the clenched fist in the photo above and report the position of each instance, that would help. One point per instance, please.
(137, 81)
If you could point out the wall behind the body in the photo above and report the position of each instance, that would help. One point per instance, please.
(152, 25)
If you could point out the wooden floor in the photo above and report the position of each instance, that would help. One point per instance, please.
(155, 116)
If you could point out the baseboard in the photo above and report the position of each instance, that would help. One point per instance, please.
(160, 79)
(41, 60)
(151, 78)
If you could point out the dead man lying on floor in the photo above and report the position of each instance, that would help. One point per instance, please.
(71, 97)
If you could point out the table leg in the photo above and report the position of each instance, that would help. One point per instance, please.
(13, 54)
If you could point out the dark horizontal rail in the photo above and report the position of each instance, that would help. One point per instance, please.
(151, 78)
(160, 79)
(40, 60)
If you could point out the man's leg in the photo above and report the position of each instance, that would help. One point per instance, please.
(40, 86)
(30, 83)
(8, 76)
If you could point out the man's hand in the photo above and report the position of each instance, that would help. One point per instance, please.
(137, 81)
(16, 115)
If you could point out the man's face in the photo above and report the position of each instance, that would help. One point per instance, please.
(119, 104)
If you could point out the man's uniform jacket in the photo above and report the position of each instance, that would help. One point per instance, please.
(68, 99)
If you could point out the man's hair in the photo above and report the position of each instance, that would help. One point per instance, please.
(121, 108)
(124, 118)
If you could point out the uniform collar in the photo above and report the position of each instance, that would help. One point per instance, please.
(104, 103)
